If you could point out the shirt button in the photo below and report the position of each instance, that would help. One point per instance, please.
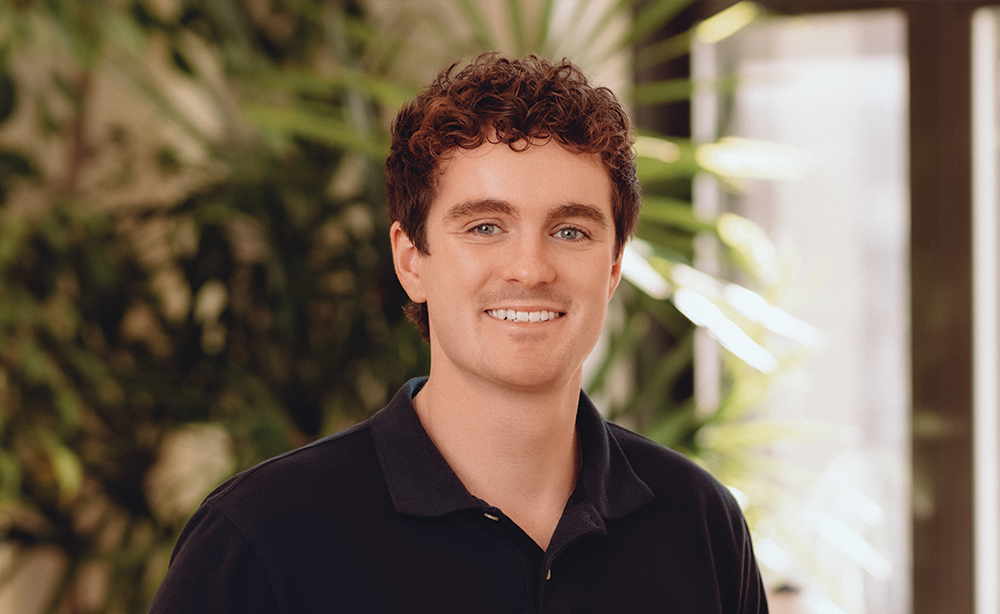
(491, 516)
(548, 575)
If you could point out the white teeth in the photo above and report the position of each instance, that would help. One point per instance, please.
(512, 315)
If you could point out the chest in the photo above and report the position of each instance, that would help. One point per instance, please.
(481, 562)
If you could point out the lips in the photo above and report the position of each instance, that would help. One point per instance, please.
(513, 315)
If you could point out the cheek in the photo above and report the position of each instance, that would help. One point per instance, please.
(467, 265)
(596, 275)
(455, 275)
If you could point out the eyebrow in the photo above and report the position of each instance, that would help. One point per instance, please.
(478, 206)
(482, 206)
(580, 210)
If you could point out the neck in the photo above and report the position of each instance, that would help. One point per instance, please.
(517, 450)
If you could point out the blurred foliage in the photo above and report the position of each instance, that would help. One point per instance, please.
(194, 268)
(192, 232)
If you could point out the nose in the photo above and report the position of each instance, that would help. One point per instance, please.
(529, 261)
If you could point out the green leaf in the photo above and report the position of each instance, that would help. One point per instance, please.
(38, 366)
(573, 24)
(610, 16)
(651, 170)
(654, 16)
(673, 212)
(668, 239)
(48, 125)
(8, 96)
(121, 29)
(66, 465)
(662, 51)
(10, 476)
(751, 247)
(15, 163)
(69, 408)
(13, 231)
(669, 90)
(181, 63)
(545, 23)
(673, 429)
(305, 83)
(311, 125)
(477, 20)
(68, 470)
(667, 369)
(517, 26)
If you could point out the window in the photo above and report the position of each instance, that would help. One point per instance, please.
(953, 288)
(831, 92)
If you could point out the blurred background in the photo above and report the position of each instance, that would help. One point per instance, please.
(195, 274)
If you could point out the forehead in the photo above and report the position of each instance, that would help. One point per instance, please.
(542, 176)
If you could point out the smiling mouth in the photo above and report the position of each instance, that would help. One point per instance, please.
(512, 315)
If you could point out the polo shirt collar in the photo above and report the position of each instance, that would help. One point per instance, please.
(421, 483)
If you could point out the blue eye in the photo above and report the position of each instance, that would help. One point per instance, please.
(570, 234)
(485, 229)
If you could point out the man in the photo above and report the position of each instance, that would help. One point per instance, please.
(492, 485)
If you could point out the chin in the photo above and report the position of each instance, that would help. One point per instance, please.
(535, 375)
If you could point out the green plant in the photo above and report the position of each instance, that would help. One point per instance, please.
(204, 265)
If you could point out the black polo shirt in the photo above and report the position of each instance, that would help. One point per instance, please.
(373, 519)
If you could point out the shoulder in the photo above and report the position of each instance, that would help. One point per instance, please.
(338, 476)
(673, 476)
(338, 462)
(701, 521)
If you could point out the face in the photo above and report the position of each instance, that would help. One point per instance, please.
(521, 265)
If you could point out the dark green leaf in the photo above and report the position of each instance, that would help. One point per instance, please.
(181, 62)
(8, 96)
(672, 90)
(674, 212)
(654, 15)
(312, 125)
(652, 55)
(13, 163)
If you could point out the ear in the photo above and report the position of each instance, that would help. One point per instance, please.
(407, 260)
(616, 275)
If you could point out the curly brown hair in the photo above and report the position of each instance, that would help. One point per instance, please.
(513, 101)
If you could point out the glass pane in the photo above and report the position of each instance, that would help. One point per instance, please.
(829, 94)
